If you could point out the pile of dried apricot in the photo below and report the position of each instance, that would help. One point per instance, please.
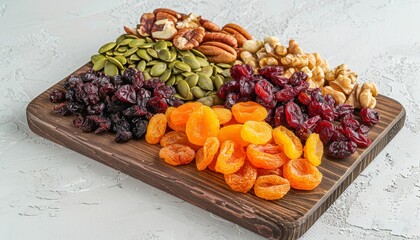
(239, 144)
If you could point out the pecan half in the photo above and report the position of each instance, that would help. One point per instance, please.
(188, 38)
(164, 15)
(163, 29)
(168, 11)
(131, 31)
(238, 32)
(218, 52)
(146, 23)
(220, 37)
(209, 26)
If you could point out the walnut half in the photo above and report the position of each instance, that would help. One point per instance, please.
(188, 38)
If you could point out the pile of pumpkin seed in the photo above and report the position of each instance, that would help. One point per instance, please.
(189, 72)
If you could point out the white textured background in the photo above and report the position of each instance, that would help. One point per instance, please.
(50, 192)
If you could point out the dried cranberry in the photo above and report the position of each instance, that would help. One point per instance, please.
(70, 95)
(269, 105)
(302, 86)
(270, 116)
(229, 87)
(329, 100)
(153, 83)
(135, 111)
(341, 149)
(338, 134)
(174, 102)
(269, 71)
(360, 139)
(74, 80)
(88, 125)
(139, 128)
(344, 109)
(57, 96)
(106, 89)
(239, 71)
(297, 78)
(287, 94)
(133, 76)
(322, 109)
(311, 123)
(96, 108)
(304, 98)
(325, 129)
(138, 80)
(303, 133)
(157, 105)
(101, 124)
(164, 91)
(363, 129)
(369, 116)
(349, 121)
(126, 94)
(123, 136)
(75, 107)
(264, 90)
(279, 80)
(91, 95)
(61, 109)
(246, 88)
(78, 121)
(280, 117)
(231, 99)
(88, 77)
(294, 115)
(118, 81)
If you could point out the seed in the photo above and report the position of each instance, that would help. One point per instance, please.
(131, 36)
(183, 89)
(203, 62)
(166, 75)
(211, 93)
(191, 61)
(169, 43)
(146, 45)
(171, 81)
(224, 65)
(132, 66)
(137, 42)
(186, 74)
(129, 61)
(197, 70)
(192, 80)
(208, 101)
(160, 45)
(99, 64)
(130, 52)
(149, 40)
(176, 70)
(173, 55)
(115, 53)
(120, 38)
(183, 66)
(135, 57)
(143, 54)
(116, 62)
(146, 75)
(226, 73)
(207, 70)
(152, 52)
(179, 96)
(178, 78)
(164, 55)
(172, 64)
(110, 69)
(96, 57)
(141, 65)
(107, 47)
(182, 52)
(157, 69)
(205, 82)
(218, 81)
(122, 49)
(198, 92)
(198, 53)
(153, 62)
(126, 41)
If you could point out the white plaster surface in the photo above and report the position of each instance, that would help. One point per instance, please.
(50, 192)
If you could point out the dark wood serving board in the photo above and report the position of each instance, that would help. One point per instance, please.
(287, 218)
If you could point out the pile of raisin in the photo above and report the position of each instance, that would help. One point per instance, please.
(291, 103)
(121, 104)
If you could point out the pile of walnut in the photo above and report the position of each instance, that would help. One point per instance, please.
(339, 82)
(220, 45)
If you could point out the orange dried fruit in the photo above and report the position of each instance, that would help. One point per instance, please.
(256, 132)
(231, 157)
(223, 114)
(177, 154)
(302, 174)
(174, 137)
(156, 128)
(212, 165)
(314, 149)
(174, 127)
(180, 115)
(243, 179)
(206, 154)
(268, 156)
(288, 141)
(245, 111)
(231, 122)
(202, 124)
(271, 187)
(276, 171)
(232, 132)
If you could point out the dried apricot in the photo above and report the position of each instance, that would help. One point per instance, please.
(268, 156)
(245, 111)
(156, 128)
(177, 154)
(232, 132)
(231, 157)
(257, 132)
(174, 127)
(206, 154)
(314, 149)
(231, 122)
(180, 115)
(287, 140)
(271, 187)
(276, 171)
(174, 137)
(223, 114)
(243, 179)
(202, 124)
(302, 174)
(212, 165)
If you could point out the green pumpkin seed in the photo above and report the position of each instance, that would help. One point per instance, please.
(116, 62)
(191, 61)
(218, 81)
(183, 66)
(164, 55)
(131, 36)
(130, 52)
(182, 88)
(153, 62)
(146, 45)
(135, 57)
(192, 80)
(132, 66)
(96, 57)
(227, 79)
(110, 69)
(173, 55)
(217, 100)
(172, 64)
(176, 71)
(116, 53)
(160, 45)
(198, 92)
(121, 59)
(171, 81)
(203, 62)
(147, 70)
(198, 53)
(137, 42)
(99, 64)
(158, 69)
(217, 69)
(211, 93)
(143, 54)
(207, 70)
(152, 52)
(146, 75)
(197, 70)
(149, 40)
(106, 47)
(129, 61)
(205, 82)
(178, 78)
(166, 75)
(122, 49)
(141, 65)
(182, 52)
(179, 96)
(126, 41)
(208, 101)
(224, 65)
(226, 73)
(189, 96)
(120, 38)
(186, 74)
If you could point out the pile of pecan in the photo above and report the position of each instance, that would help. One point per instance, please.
(188, 31)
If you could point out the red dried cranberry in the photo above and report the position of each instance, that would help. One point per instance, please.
(239, 71)
(322, 109)
(329, 100)
(153, 83)
(74, 80)
(88, 77)
(344, 109)
(269, 71)
(164, 91)
(341, 149)
(246, 88)
(118, 81)
(280, 117)
(269, 105)
(302, 86)
(229, 87)
(297, 78)
(311, 123)
(57, 96)
(325, 129)
(135, 111)
(96, 108)
(88, 125)
(231, 99)
(75, 107)
(369, 116)
(304, 98)
(126, 94)
(264, 90)
(303, 133)
(294, 115)
(349, 121)
(286, 95)
(69, 95)
(106, 89)
(279, 80)
(139, 128)
(174, 102)
(138, 80)
(157, 104)
(123, 136)
(270, 116)
(100, 123)
(61, 109)
(363, 129)
(78, 121)
(360, 139)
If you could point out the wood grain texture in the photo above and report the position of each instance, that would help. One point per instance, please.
(287, 218)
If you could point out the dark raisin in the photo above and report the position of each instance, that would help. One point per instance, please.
(139, 128)
(349, 121)
(123, 136)
(126, 94)
(57, 96)
(341, 149)
(96, 108)
(61, 109)
(135, 111)
(78, 121)
(231, 99)
(74, 80)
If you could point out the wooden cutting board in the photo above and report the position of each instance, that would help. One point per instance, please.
(287, 218)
